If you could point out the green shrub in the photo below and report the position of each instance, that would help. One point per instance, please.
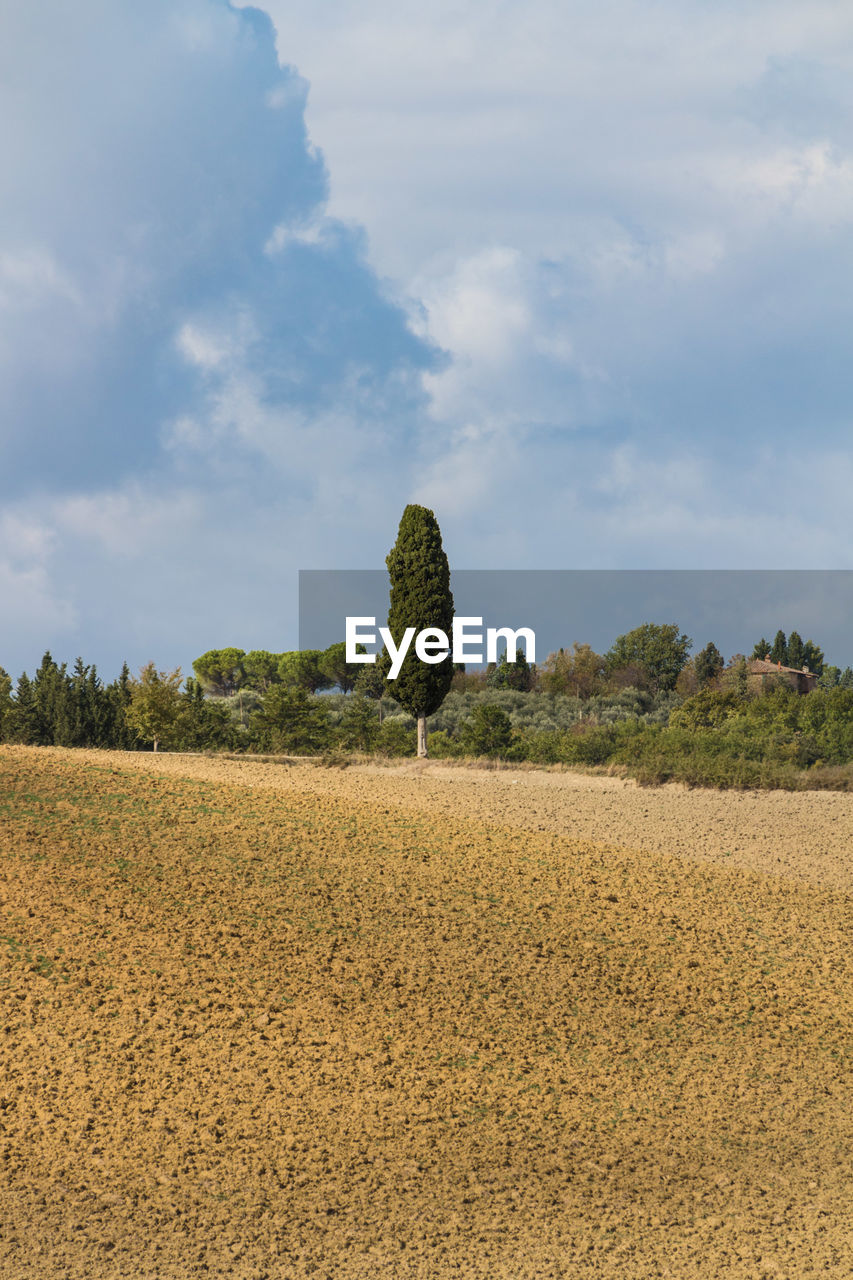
(291, 720)
(397, 737)
(708, 709)
(443, 745)
(358, 728)
(488, 732)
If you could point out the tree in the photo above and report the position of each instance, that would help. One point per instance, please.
(155, 704)
(260, 669)
(87, 706)
(359, 727)
(304, 669)
(334, 665)
(796, 648)
(779, 649)
(25, 720)
(736, 675)
(512, 675)
(709, 664)
(420, 598)
(119, 697)
(631, 675)
(291, 720)
(578, 673)
(687, 684)
(51, 701)
(7, 705)
(396, 738)
(371, 683)
(587, 673)
(555, 673)
(220, 671)
(792, 652)
(813, 657)
(469, 681)
(488, 732)
(832, 677)
(201, 723)
(659, 651)
(708, 709)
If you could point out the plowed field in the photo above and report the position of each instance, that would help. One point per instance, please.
(271, 1022)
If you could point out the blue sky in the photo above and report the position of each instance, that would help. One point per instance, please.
(577, 276)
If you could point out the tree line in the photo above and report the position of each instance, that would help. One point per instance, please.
(653, 656)
(261, 700)
(645, 704)
(282, 712)
(223, 672)
(58, 707)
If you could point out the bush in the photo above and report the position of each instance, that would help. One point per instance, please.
(488, 732)
(540, 712)
(358, 729)
(708, 709)
(291, 720)
(443, 746)
(397, 737)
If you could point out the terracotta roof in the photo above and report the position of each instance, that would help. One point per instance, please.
(760, 666)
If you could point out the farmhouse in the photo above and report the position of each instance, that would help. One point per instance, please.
(764, 674)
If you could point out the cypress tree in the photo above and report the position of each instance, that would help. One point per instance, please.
(779, 652)
(813, 657)
(710, 663)
(420, 598)
(795, 650)
(512, 675)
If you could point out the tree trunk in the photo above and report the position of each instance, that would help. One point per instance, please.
(155, 744)
(422, 747)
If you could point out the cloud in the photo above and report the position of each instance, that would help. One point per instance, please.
(623, 222)
(161, 157)
(575, 277)
(33, 606)
(187, 337)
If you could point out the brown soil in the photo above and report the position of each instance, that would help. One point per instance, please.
(262, 1021)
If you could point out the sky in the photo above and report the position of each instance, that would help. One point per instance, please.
(578, 276)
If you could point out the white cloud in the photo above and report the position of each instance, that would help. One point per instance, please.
(36, 606)
(481, 314)
(697, 253)
(447, 127)
(314, 232)
(628, 233)
(134, 523)
(31, 276)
